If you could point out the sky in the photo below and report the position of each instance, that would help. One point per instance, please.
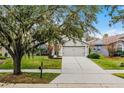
(103, 25)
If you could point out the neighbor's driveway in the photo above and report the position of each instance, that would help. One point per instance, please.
(83, 70)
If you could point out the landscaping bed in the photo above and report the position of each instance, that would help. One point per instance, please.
(27, 78)
(110, 63)
(33, 63)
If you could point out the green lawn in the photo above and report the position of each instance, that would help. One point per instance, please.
(33, 63)
(110, 62)
(121, 75)
(27, 78)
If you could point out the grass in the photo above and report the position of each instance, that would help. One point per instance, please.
(121, 75)
(110, 63)
(33, 63)
(27, 78)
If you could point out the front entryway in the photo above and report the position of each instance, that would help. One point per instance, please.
(83, 70)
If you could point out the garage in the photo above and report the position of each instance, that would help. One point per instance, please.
(75, 49)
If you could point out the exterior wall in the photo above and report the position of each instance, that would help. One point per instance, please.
(116, 46)
(60, 52)
(54, 48)
(100, 49)
(120, 45)
(4, 51)
(86, 50)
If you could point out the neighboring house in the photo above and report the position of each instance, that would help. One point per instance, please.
(108, 45)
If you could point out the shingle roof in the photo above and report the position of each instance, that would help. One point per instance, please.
(92, 42)
(112, 39)
(107, 40)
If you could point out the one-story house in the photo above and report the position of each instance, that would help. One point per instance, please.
(107, 45)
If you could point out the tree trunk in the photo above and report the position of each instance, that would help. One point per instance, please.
(17, 65)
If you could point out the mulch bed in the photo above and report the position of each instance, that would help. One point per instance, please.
(23, 78)
(1, 62)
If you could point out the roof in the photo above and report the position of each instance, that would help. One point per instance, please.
(99, 42)
(76, 43)
(113, 39)
(107, 40)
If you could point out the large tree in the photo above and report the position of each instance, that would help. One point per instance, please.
(23, 28)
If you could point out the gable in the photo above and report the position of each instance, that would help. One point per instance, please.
(76, 43)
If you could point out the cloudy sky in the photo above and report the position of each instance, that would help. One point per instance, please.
(104, 28)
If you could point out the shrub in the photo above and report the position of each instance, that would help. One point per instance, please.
(2, 57)
(118, 53)
(121, 64)
(0, 54)
(93, 56)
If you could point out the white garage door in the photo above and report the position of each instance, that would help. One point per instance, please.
(73, 51)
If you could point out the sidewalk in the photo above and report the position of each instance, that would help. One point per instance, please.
(98, 85)
(114, 71)
(34, 70)
(57, 71)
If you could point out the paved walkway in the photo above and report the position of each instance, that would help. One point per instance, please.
(114, 71)
(61, 85)
(34, 70)
(58, 71)
(83, 70)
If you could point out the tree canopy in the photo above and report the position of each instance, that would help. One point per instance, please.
(117, 14)
(23, 28)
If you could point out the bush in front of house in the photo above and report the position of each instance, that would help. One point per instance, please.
(121, 64)
(0, 54)
(2, 57)
(94, 56)
(118, 53)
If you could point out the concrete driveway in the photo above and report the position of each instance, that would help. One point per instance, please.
(83, 70)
